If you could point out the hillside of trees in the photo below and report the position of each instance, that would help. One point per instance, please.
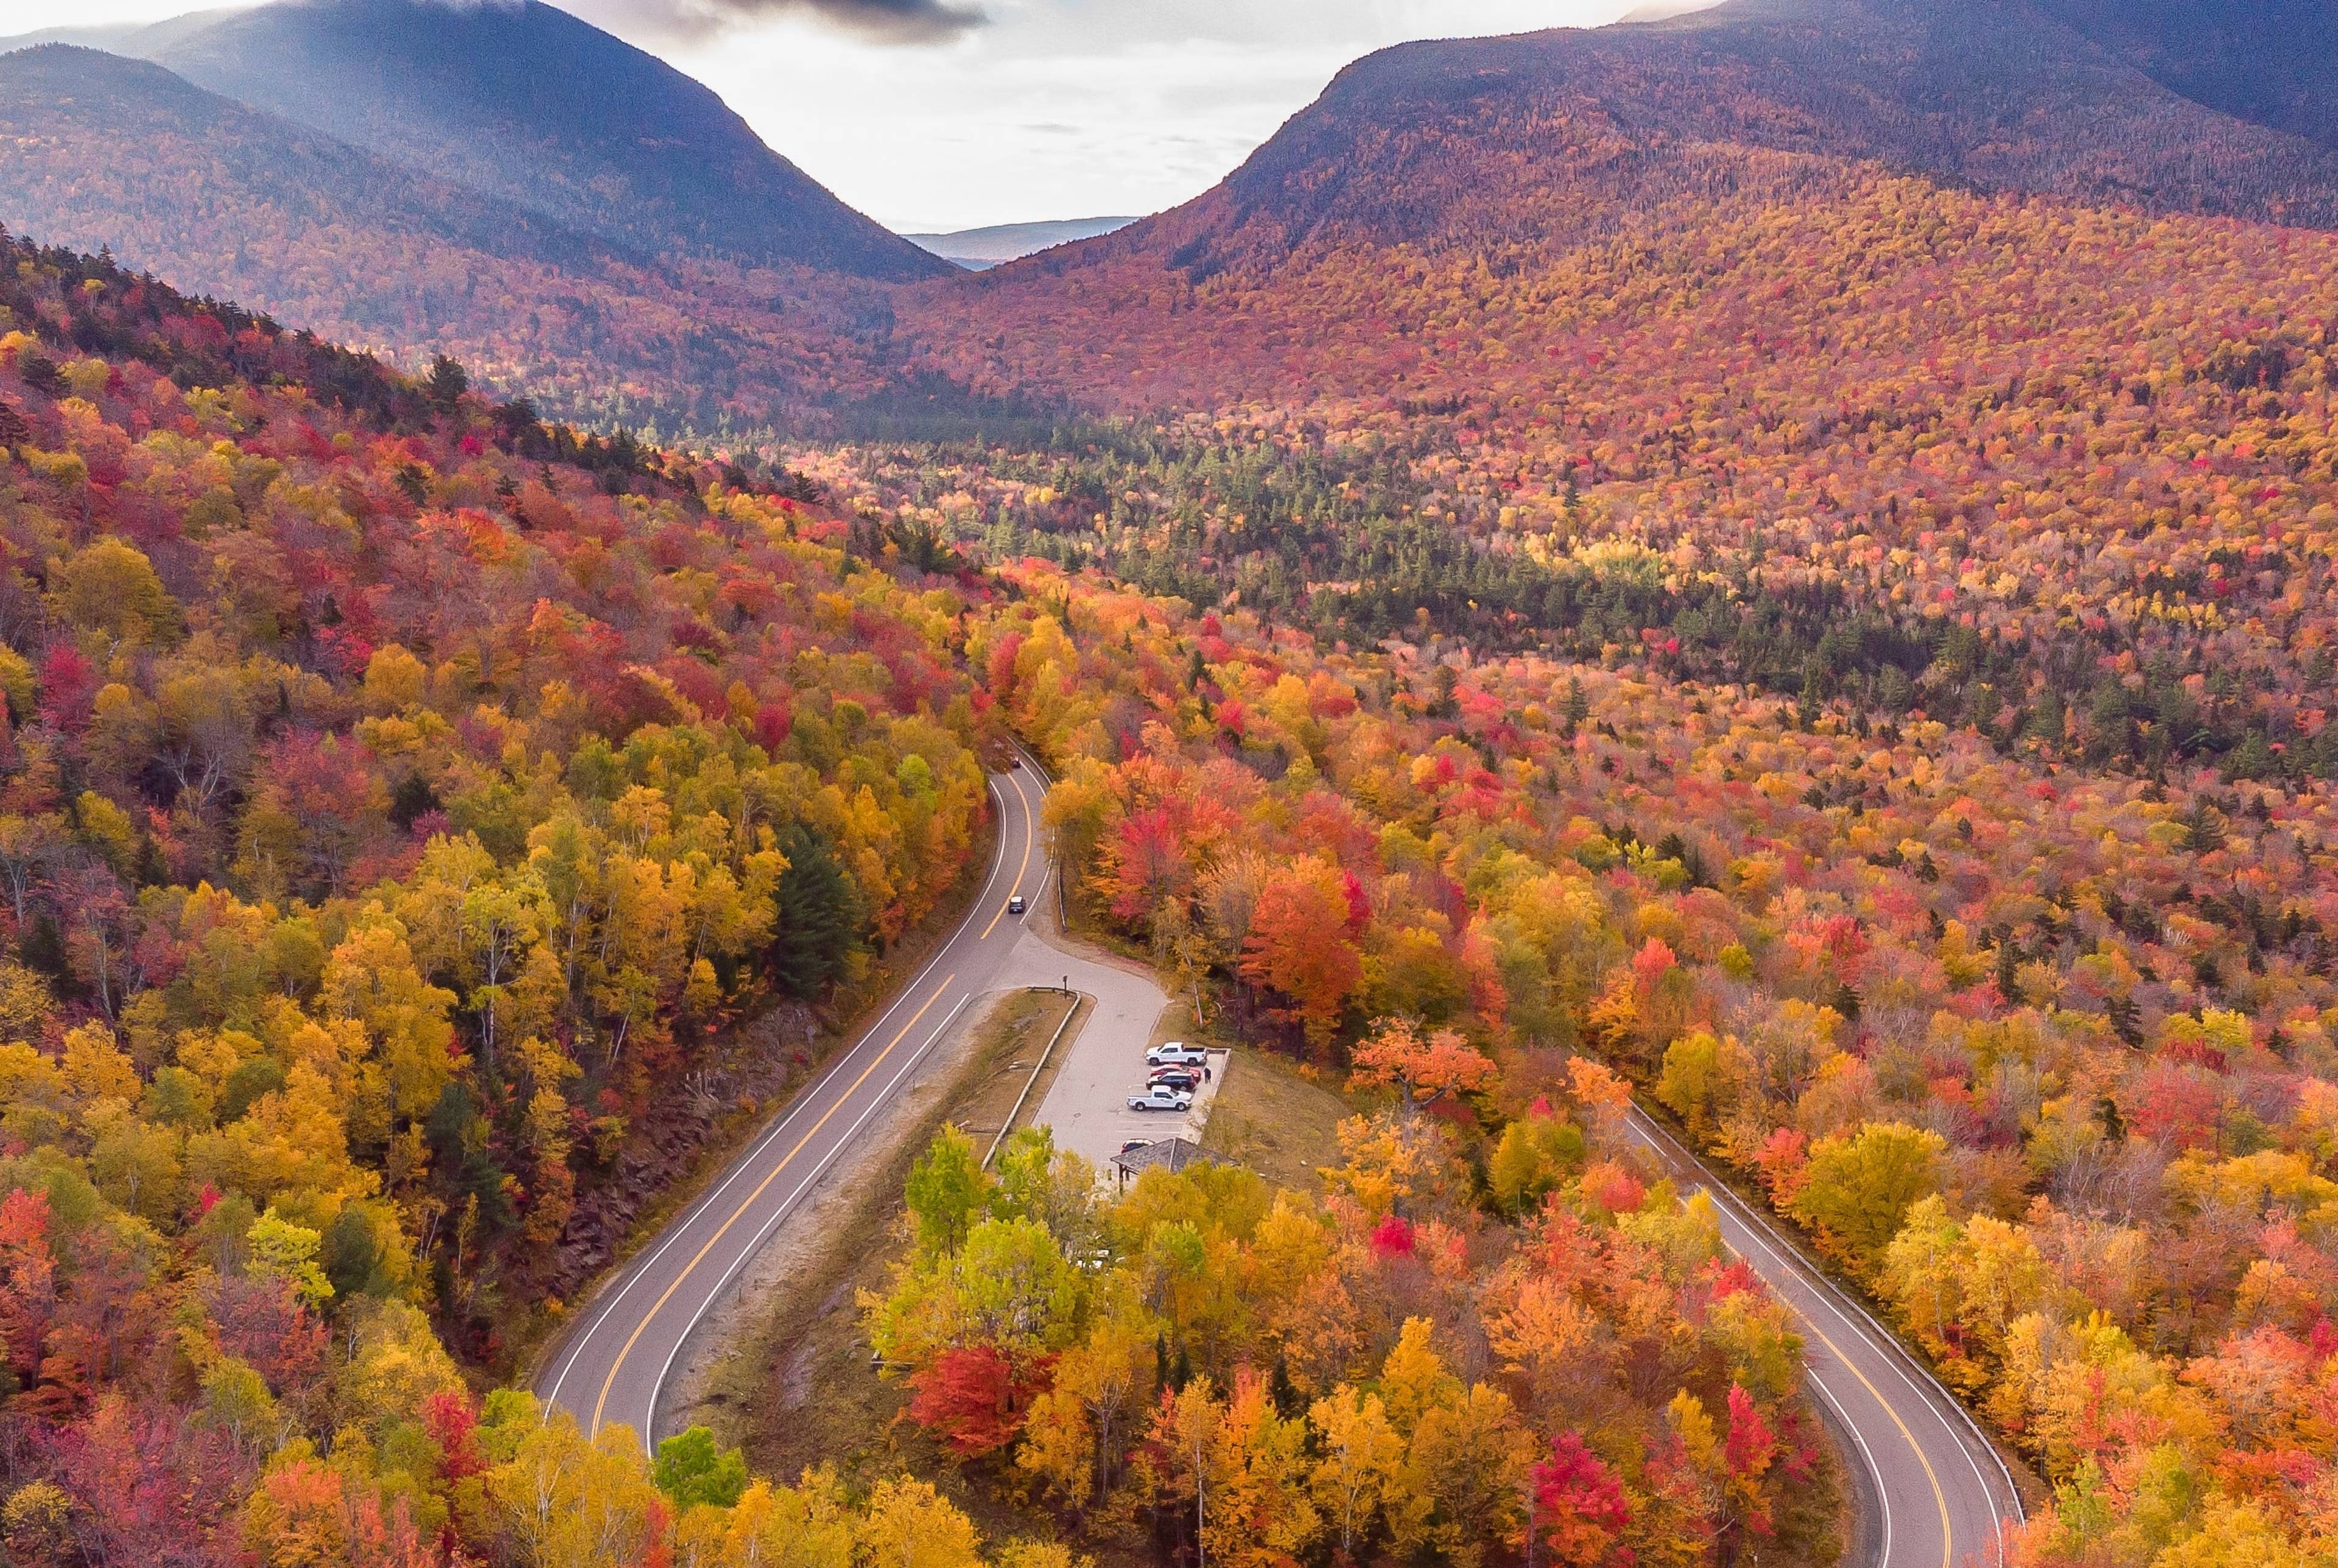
(2069, 476)
(105, 154)
(1482, 145)
(2042, 1056)
(402, 803)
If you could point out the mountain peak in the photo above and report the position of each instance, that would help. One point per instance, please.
(1470, 141)
(523, 102)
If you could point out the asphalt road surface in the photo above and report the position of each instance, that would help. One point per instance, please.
(614, 1367)
(1939, 1495)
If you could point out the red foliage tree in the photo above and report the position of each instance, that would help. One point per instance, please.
(1579, 1505)
(975, 1398)
(1299, 945)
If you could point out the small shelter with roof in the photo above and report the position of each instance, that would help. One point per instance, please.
(1169, 1154)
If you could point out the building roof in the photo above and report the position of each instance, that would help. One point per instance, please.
(1171, 1154)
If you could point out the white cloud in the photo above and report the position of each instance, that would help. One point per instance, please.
(1064, 108)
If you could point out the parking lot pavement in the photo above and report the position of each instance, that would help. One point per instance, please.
(1097, 1119)
(1103, 1064)
(1087, 1104)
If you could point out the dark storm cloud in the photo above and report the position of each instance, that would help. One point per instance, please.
(881, 21)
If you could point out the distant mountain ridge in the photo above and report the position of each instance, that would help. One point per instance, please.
(1444, 194)
(501, 180)
(1492, 140)
(995, 244)
(99, 151)
(2271, 62)
(528, 105)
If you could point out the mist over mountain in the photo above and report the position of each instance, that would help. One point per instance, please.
(995, 244)
(2272, 62)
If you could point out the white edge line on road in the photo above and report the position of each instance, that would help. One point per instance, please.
(1824, 1290)
(1875, 1471)
(1869, 1333)
(804, 1098)
(786, 1208)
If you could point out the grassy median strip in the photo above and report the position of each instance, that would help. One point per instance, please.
(799, 1391)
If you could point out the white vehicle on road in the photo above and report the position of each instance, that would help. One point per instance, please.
(1160, 1097)
(1176, 1053)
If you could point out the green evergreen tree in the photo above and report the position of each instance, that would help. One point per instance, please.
(818, 916)
(445, 384)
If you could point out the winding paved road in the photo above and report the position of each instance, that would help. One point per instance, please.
(1939, 1495)
(613, 1366)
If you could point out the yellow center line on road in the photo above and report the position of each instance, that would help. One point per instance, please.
(1030, 831)
(1939, 1499)
(601, 1404)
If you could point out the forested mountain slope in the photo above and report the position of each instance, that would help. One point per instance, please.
(202, 162)
(502, 182)
(1476, 143)
(1610, 363)
(104, 152)
(524, 103)
(400, 800)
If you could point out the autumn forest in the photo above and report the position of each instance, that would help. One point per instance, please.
(1636, 578)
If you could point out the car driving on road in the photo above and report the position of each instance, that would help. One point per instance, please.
(1160, 1097)
(1176, 1053)
(1015, 906)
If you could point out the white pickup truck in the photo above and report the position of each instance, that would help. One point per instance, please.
(1160, 1097)
(1176, 1053)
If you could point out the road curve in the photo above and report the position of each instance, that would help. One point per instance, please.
(1941, 1496)
(614, 1365)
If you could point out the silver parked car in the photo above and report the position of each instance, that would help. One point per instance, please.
(1160, 1097)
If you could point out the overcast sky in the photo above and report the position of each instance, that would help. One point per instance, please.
(951, 114)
